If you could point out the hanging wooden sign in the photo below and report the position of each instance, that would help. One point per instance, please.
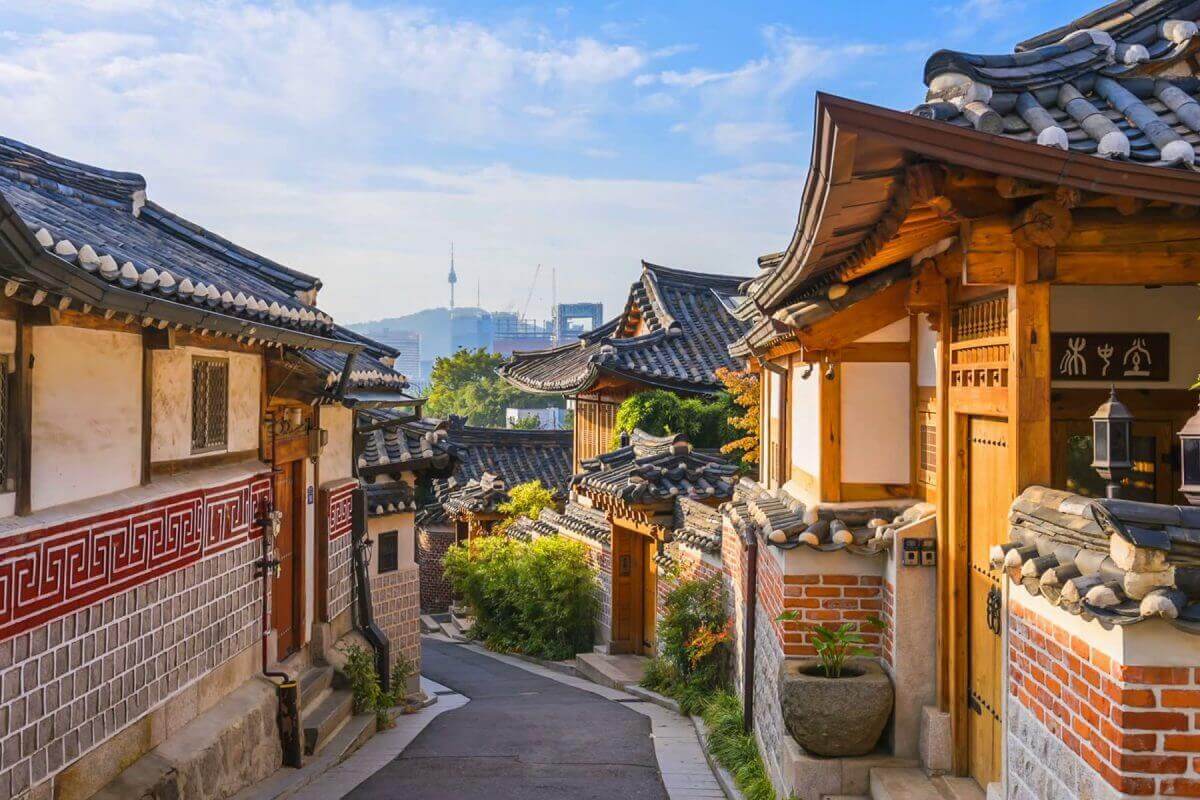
(1110, 357)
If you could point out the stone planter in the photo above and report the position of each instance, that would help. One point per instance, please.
(835, 716)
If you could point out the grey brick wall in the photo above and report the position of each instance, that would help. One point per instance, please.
(1041, 766)
(70, 684)
(340, 587)
(768, 715)
(395, 596)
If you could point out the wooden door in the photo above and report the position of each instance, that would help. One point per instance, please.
(649, 596)
(989, 494)
(285, 589)
(627, 591)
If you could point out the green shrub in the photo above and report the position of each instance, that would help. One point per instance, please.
(705, 421)
(692, 637)
(535, 598)
(734, 750)
(524, 500)
(369, 696)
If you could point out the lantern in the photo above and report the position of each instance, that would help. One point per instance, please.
(1112, 431)
(1189, 440)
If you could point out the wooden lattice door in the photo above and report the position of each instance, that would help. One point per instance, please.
(989, 495)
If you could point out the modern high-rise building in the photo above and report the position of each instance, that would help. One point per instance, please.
(409, 344)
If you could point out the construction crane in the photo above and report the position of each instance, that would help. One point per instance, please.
(529, 297)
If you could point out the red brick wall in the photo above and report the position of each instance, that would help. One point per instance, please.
(830, 600)
(1138, 727)
(690, 565)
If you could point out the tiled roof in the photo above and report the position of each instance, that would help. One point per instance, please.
(653, 469)
(697, 525)
(526, 530)
(390, 498)
(784, 522)
(100, 224)
(1115, 561)
(403, 444)
(373, 368)
(1095, 86)
(482, 495)
(579, 519)
(512, 456)
(674, 333)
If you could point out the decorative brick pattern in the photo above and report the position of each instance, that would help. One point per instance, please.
(337, 524)
(1136, 727)
(432, 545)
(831, 600)
(395, 596)
(69, 684)
(46, 574)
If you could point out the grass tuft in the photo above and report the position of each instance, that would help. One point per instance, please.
(734, 750)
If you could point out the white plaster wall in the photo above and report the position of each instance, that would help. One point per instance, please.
(927, 356)
(403, 524)
(337, 456)
(87, 414)
(876, 415)
(898, 331)
(805, 420)
(1133, 309)
(807, 561)
(171, 421)
(774, 387)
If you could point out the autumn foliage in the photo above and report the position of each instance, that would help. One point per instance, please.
(743, 389)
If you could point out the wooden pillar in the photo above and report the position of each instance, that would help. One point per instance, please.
(831, 435)
(21, 413)
(1029, 372)
(943, 443)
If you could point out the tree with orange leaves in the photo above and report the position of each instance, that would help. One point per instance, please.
(743, 388)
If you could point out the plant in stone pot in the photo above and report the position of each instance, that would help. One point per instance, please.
(838, 703)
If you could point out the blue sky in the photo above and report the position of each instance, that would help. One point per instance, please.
(355, 140)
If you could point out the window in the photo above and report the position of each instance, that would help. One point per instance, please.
(389, 552)
(210, 404)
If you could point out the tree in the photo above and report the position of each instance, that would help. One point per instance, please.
(466, 384)
(743, 390)
(525, 500)
(527, 424)
(703, 420)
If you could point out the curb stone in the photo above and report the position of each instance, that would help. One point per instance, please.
(724, 777)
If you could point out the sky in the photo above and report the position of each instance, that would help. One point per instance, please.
(357, 140)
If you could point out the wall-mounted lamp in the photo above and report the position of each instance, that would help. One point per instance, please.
(829, 372)
(1189, 440)
(1112, 430)
(808, 370)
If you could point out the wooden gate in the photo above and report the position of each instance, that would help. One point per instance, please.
(633, 592)
(286, 593)
(988, 496)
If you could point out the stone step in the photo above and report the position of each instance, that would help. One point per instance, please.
(845, 797)
(914, 784)
(326, 718)
(313, 684)
(429, 624)
(615, 672)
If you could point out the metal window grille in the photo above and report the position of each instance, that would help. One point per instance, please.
(210, 404)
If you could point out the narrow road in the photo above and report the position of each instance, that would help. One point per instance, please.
(522, 737)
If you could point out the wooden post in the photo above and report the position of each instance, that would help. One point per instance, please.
(831, 434)
(1029, 372)
(943, 443)
(22, 412)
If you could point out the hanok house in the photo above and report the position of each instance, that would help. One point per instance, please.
(647, 512)
(964, 285)
(171, 404)
(465, 503)
(673, 334)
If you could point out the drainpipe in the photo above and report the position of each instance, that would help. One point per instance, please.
(364, 610)
(288, 690)
(751, 611)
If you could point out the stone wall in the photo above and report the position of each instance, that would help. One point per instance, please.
(432, 544)
(769, 653)
(689, 564)
(1081, 724)
(168, 596)
(599, 557)
(887, 616)
(395, 596)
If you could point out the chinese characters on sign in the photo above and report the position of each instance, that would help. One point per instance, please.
(1111, 357)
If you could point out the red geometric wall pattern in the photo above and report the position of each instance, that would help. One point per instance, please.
(51, 572)
(341, 509)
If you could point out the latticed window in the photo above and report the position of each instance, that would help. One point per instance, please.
(210, 404)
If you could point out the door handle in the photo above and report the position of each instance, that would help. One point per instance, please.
(994, 602)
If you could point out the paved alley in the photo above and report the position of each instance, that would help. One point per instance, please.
(521, 736)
